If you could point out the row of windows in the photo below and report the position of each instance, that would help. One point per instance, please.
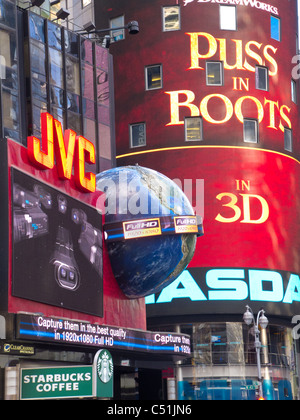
(214, 77)
(65, 77)
(193, 127)
(227, 19)
(47, 68)
(171, 21)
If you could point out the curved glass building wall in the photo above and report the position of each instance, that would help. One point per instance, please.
(224, 363)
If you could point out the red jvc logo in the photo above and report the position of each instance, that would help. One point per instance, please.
(70, 151)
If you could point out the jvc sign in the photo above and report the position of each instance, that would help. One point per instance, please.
(71, 152)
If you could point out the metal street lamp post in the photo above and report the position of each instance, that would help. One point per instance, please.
(261, 320)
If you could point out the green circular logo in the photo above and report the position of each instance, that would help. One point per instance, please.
(105, 367)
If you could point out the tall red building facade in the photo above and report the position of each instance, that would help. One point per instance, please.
(208, 94)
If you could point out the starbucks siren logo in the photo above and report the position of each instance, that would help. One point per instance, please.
(105, 366)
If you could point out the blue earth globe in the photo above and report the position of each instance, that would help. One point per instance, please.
(145, 265)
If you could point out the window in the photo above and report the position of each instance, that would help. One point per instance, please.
(193, 129)
(294, 91)
(262, 78)
(214, 73)
(68, 76)
(118, 34)
(154, 77)
(250, 130)
(88, 91)
(56, 70)
(275, 28)
(228, 18)
(171, 18)
(8, 14)
(288, 139)
(86, 3)
(72, 86)
(138, 135)
(37, 66)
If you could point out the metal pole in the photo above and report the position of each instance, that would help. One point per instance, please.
(258, 347)
(263, 322)
(179, 376)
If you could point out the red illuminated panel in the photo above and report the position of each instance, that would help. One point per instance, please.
(85, 153)
(117, 309)
(250, 216)
(64, 147)
(42, 159)
(64, 160)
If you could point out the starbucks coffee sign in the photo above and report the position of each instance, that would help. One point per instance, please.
(56, 383)
(103, 374)
(105, 367)
(69, 382)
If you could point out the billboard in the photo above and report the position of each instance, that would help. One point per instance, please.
(259, 48)
(229, 82)
(64, 331)
(65, 237)
(226, 291)
(251, 238)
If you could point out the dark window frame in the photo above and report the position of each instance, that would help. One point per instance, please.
(186, 120)
(131, 143)
(148, 88)
(221, 7)
(164, 19)
(256, 135)
(221, 66)
(288, 147)
(278, 19)
(257, 77)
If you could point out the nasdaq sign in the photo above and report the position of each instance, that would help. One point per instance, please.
(210, 286)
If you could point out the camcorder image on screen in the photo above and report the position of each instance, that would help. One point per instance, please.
(57, 247)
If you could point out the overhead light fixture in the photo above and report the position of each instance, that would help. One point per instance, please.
(36, 3)
(133, 29)
(53, 3)
(89, 26)
(62, 14)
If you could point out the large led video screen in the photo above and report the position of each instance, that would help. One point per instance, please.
(56, 247)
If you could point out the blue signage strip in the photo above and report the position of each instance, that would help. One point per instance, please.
(62, 331)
